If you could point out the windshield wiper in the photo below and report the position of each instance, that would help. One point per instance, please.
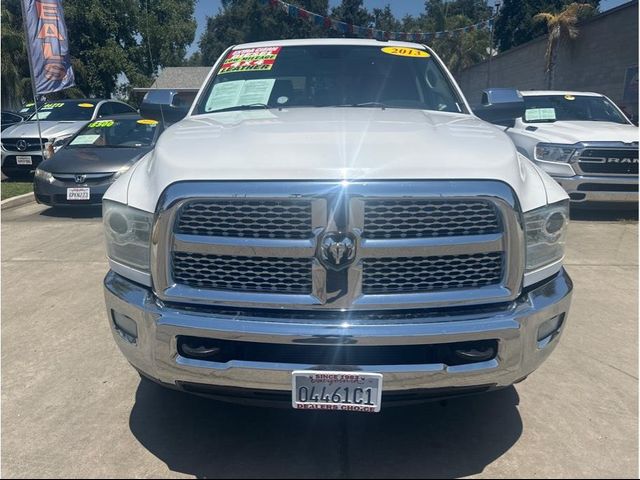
(364, 104)
(249, 106)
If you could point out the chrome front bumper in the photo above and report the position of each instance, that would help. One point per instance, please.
(515, 327)
(574, 186)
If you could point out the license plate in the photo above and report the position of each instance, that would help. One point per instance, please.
(78, 193)
(23, 160)
(342, 391)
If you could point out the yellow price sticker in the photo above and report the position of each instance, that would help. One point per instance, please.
(47, 106)
(569, 97)
(86, 105)
(101, 124)
(405, 52)
(147, 121)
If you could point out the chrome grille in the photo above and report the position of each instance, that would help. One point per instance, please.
(428, 218)
(247, 218)
(33, 144)
(427, 274)
(245, 274)
(609, 161)
(413, 244)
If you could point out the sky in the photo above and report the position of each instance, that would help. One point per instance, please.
(399, 8)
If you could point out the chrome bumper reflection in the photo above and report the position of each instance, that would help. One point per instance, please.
(154, 352)
(606, 192)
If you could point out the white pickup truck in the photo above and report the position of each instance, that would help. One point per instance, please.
(583, 141)
(332, 227)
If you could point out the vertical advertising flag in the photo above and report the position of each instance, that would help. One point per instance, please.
(48, 45)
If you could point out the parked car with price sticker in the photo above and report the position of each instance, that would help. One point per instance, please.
(59, 120)
(82, 170)
(583, 140)
(331, 226)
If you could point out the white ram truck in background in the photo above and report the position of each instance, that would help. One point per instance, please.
(331, 226)
(583, 141)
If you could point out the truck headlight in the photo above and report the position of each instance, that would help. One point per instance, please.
(552, 152)
(128, 233)
(546, 231)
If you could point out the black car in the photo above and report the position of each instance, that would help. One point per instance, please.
(9, 118)
(81, 171)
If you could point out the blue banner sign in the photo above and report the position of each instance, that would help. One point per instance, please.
(48, 45)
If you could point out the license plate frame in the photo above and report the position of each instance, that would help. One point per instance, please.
(24, 160)
(346, 391)
(78, 193)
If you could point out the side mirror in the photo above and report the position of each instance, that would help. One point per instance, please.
(166, 106)
(501, 106)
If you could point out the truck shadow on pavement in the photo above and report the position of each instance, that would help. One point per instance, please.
(72, 212)
(210, 439)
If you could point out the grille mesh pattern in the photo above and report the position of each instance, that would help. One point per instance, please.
(428, 218)
(427, 274)
(244, 274)
(247, 218)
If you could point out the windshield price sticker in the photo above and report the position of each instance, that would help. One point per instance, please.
(101, 124)
(569, 97)
(47, 106)
(147, 121)
(250, 60)
(86, 105)
(534, 114)
(405, 52)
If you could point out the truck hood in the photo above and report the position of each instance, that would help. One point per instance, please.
(574, 132)
(331, 144)
(49, 129)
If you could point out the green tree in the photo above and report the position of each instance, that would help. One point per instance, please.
(466, 48)
(352, 12)
(515, 25)
(108, 40)
(14, 80)
(383, 19)
(562, 27)
(242, 21)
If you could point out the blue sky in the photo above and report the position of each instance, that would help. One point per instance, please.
(400, 8)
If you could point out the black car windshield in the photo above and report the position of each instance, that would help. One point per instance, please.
(60, 111)
(551, 108)
(116, 133)
(330, 76)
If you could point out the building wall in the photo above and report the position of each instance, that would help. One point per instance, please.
(598, 61)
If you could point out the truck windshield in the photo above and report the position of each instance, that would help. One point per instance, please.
(551, 108)
(329, 76)
(61, 111)
(113, 133)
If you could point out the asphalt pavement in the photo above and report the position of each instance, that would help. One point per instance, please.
(73, 407)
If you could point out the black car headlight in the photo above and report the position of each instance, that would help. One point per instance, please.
(128, 234)
(546, 231)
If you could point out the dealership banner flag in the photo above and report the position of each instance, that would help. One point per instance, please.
(48, 45)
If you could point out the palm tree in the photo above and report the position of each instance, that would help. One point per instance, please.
(561, 27)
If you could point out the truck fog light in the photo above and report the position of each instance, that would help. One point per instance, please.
(125, 326)
(550, 327)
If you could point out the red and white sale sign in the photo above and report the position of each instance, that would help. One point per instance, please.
(250, 59)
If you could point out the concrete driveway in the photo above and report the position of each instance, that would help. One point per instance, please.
(72, 406)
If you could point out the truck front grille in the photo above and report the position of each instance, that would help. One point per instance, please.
(243, 274)
(427, 274)
(429, 218)
(247, 218)
(609, 161)
(324, 245)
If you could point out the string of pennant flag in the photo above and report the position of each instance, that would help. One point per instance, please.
(369, 32)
